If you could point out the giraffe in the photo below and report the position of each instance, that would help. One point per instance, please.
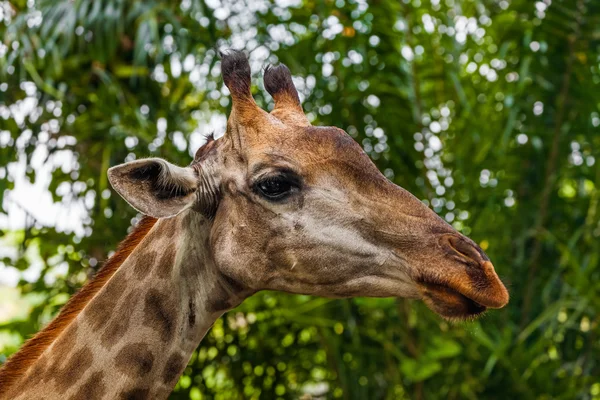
(275, 204)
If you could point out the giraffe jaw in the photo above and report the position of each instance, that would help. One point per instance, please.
(450, 303)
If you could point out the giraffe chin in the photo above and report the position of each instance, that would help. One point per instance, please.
(450, 303)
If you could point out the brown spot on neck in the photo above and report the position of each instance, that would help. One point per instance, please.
(144, 263)
(136, 394)
(173, 368)
(191, 313)
(74, 368)
(102, 309)
(19, 363)
(135, 360)
(94, 388)
(160, 312)
(119, 322)
(166, 263)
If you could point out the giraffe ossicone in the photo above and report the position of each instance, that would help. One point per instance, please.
(276, 204)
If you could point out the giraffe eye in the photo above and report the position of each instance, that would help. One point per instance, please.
(277, 187)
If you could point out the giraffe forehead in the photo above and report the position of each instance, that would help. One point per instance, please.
(303, 145)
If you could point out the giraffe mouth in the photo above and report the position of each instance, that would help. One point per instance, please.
(450, 303)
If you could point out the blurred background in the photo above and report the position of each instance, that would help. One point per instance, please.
(487, 110)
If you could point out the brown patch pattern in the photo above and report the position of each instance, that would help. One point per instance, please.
(191, 313)
(93, 389)
(102, 309)
(66, 342)
(136, 394)
(73, 370)
(160, 313)
(166, 263)
(119, 322)
(19, 363)
(173, 368)
(144, 264)
(135, 360)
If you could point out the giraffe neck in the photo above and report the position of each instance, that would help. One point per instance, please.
(135, 337)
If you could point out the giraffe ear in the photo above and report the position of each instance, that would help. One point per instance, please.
(155, 187)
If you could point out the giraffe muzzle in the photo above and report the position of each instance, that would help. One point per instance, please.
(468, 286)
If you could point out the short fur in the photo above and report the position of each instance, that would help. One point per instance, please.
(341, 229)
(19, 362)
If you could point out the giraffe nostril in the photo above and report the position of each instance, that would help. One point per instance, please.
(465, 248)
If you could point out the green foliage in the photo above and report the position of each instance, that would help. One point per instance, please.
(487, 110)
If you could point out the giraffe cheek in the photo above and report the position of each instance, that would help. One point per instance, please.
(232, 259)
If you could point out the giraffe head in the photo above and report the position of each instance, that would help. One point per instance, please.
(302, 209)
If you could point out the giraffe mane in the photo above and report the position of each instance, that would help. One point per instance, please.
(18, 364)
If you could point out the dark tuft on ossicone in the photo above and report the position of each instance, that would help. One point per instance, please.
(235, 69)
(278, 82)
(206, 149)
